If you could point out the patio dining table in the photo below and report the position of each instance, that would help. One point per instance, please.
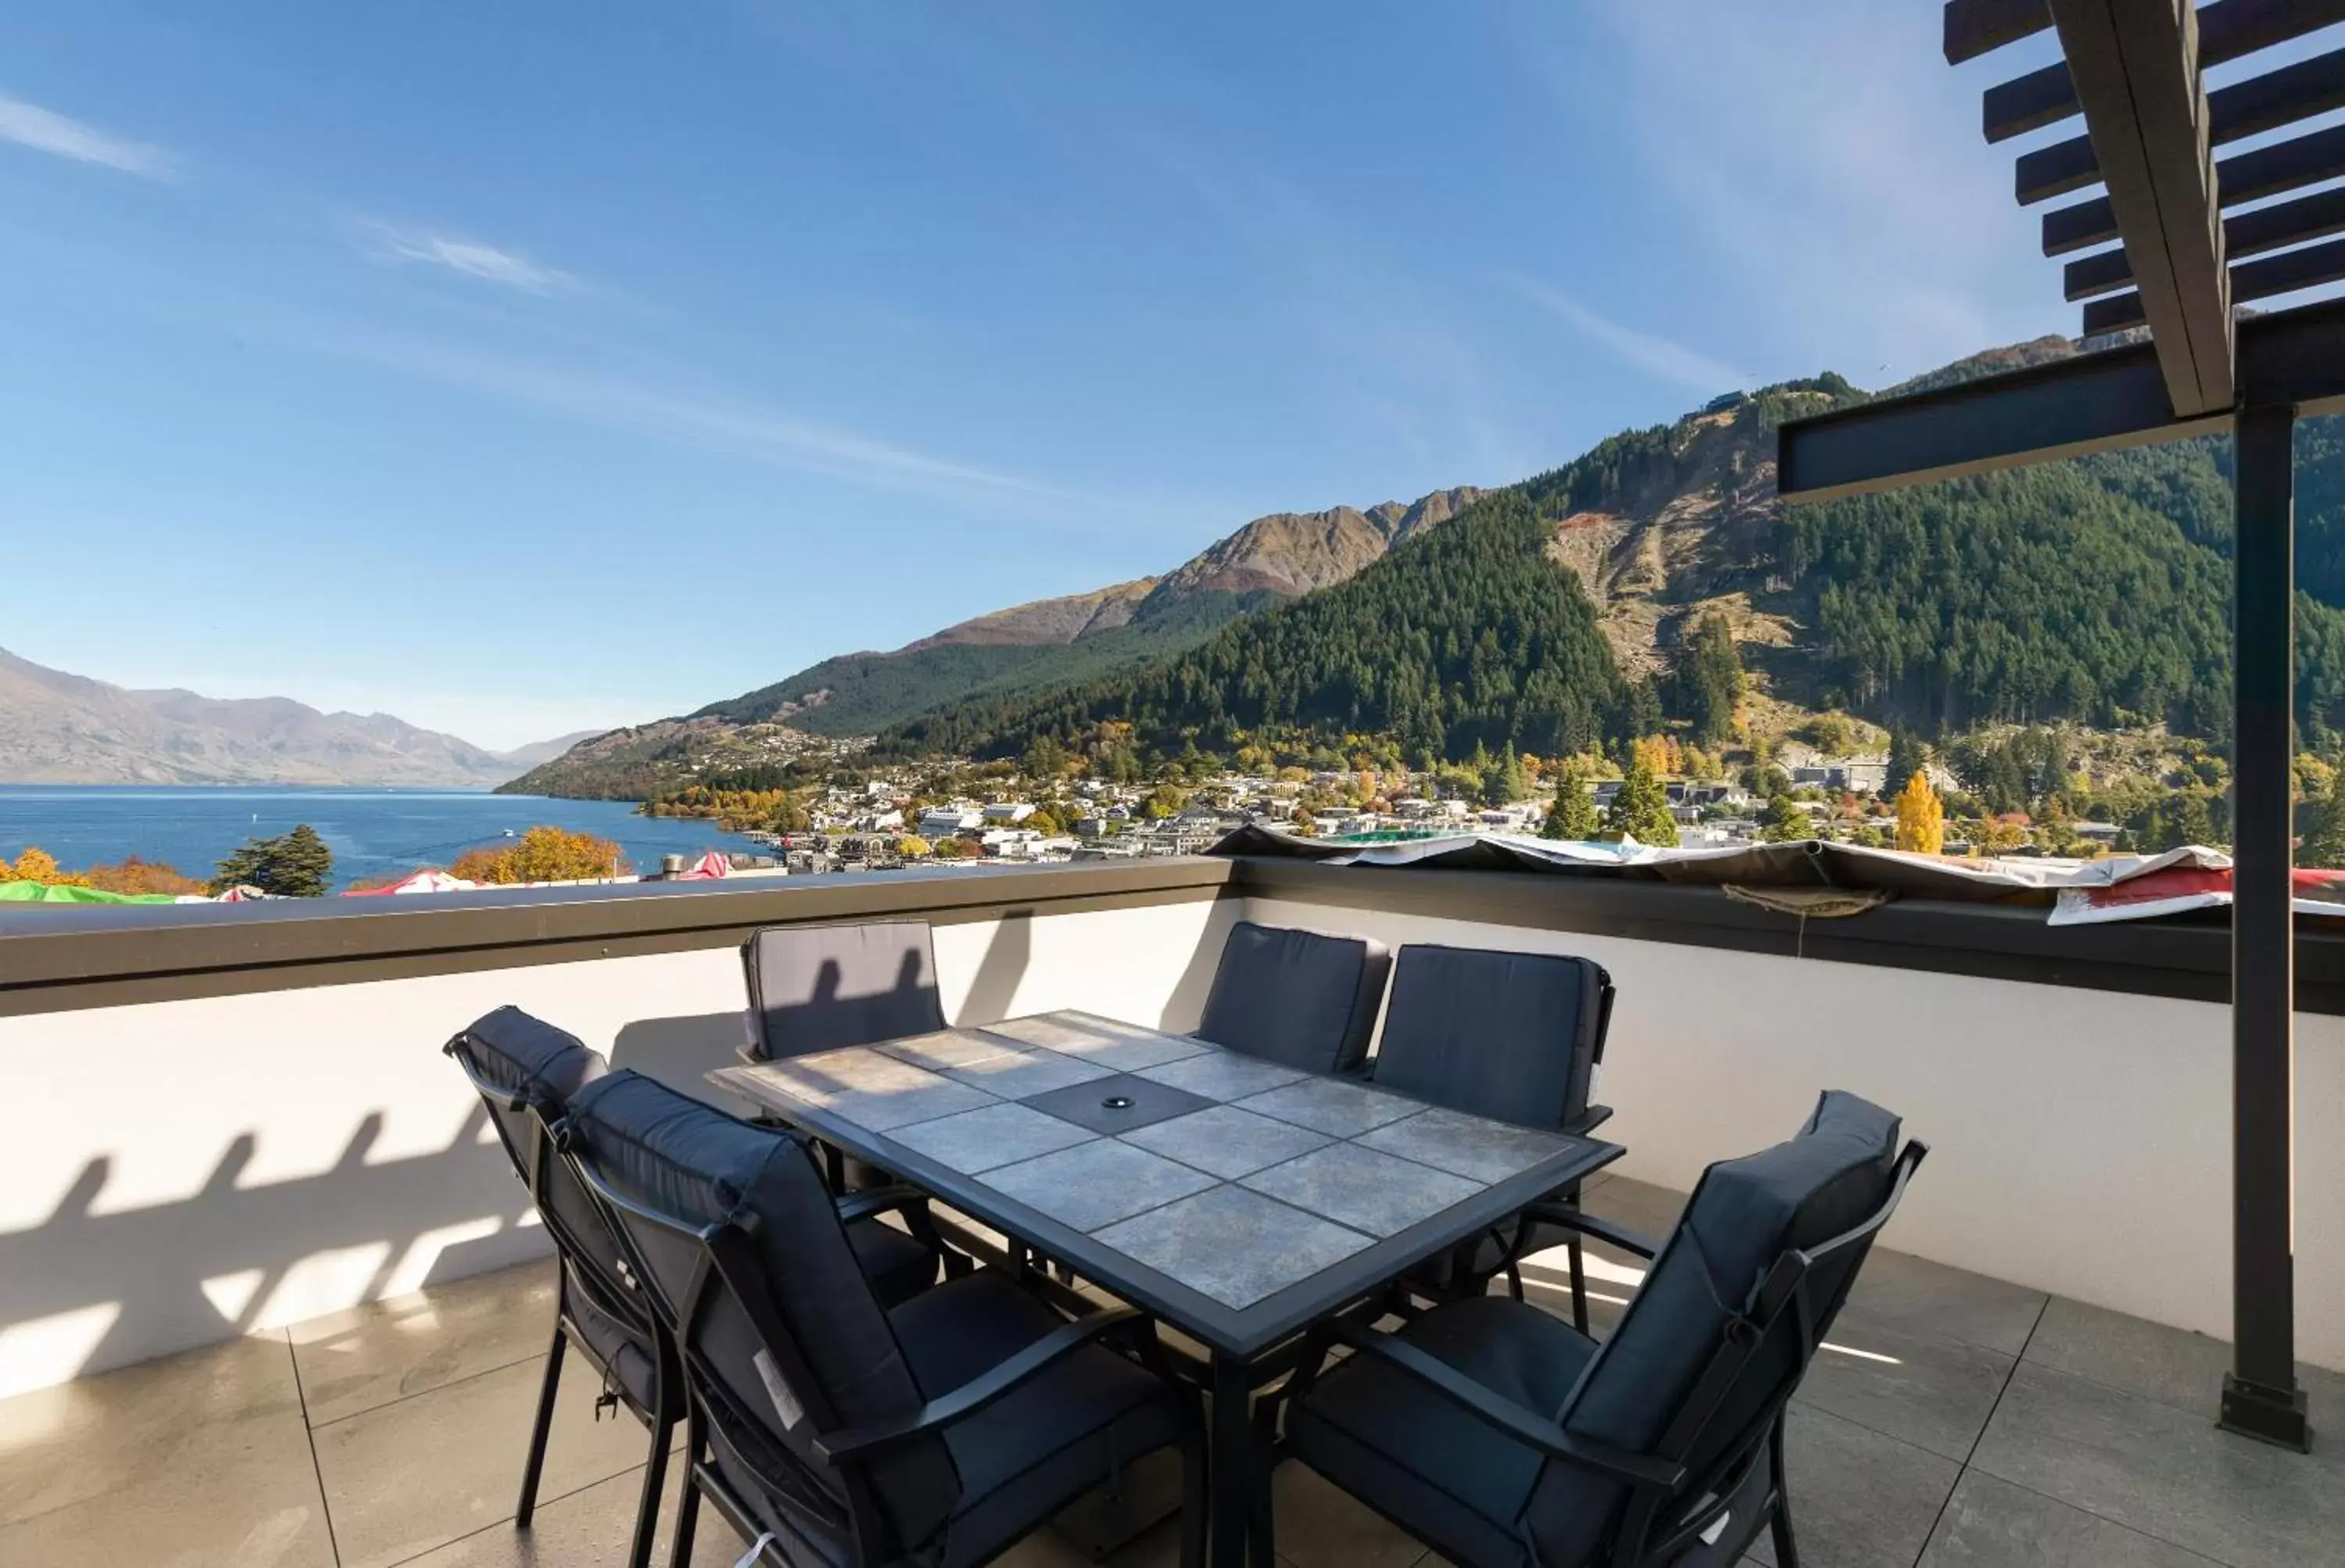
(1240, 1201)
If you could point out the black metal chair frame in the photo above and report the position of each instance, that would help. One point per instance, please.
(1646, 1538)
(727, 1257)
(668, 1404)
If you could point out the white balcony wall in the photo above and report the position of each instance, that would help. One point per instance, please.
(178, 1172)
(175, 1173)
(2080, 1140)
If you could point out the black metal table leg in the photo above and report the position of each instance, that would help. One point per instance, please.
(1232, 1464)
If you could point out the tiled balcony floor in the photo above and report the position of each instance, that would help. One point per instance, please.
(1957, 1420)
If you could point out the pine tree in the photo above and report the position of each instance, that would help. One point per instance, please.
(302, 864)
(1504, 781)
(1572, 814)
(295, 865)
(1920, 816)
(2324, 847)
(1906, 758)
(245, 866)
(1640, 809)
(1644, 708)
(1709, 680)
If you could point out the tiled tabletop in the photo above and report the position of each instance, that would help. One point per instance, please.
(1240, 1182)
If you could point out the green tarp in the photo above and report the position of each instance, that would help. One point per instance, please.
(43, 893)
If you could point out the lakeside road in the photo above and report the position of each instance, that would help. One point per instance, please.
(372, 833)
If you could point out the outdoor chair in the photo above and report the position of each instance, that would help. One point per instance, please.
(828, 1427)
(1502, 1436)
(1296, 997)
(822, 987)
(826, 987)
(527, 1070)
(1514, 1036)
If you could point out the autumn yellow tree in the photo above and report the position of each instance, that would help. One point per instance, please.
(134, 875)
(542, 855)
(37, 865)
(1921, 817)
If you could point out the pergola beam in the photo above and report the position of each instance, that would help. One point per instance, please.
(1976, 27)
(2136, 65)
(2068, 408)
(2283, 274)
(2243, 110)
(2228, 30)
(2250, 233)
(2241, 178)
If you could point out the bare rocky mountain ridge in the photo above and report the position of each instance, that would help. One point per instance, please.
(1291, 554)
(1288, 553)
(62, 729)
(1064, 619)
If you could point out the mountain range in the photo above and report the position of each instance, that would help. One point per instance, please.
(1026, 649)
(61, 729)
(2093, 591)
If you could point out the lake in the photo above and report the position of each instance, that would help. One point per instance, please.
(372, 833)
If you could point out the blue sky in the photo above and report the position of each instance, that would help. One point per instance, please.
(523, 368)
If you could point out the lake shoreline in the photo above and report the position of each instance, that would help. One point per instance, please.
(372, 833)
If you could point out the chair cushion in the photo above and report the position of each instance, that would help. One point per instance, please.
(819, 988)
(1508, 1035)
(1029, 1454)
(898, 1267)
(1298, 997)
(1393, 1441)
(528, 1058)
(699, 1167)
(1743, 1216)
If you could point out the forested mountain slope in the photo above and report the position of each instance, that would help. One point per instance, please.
(2093, 591)
(1052, 642)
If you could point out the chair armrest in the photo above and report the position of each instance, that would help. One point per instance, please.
(863, 1205)
(978, 1391)
(1587, 1121)
(1531, 1431)
(1568, 1217)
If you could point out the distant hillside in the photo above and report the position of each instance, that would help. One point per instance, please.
(537, 751)
(61, 729)
(2095, 591)
(1051, 641)
(1019, 650)
(1030, 648)
(1472, 633)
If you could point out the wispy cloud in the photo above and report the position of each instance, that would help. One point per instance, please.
(489, 264)
(1653, 355)
(723, 421)
(45, 130)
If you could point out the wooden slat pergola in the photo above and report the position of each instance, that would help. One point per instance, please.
(2177, 222)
